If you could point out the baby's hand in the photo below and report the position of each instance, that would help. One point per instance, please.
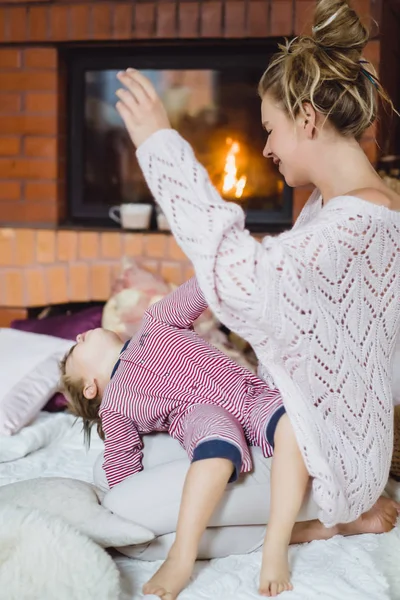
(139, 106)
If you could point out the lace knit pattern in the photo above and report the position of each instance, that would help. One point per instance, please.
(320, 306)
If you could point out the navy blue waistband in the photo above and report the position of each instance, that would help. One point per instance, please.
(272, 425)
(217, 448)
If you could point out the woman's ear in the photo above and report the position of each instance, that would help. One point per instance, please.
(90, 390)
(309, 119)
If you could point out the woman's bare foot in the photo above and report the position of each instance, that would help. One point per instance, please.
(380, 519)
(275, 574)
(170, 579)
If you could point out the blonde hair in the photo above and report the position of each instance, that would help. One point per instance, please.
(77, 404)
(327, 70)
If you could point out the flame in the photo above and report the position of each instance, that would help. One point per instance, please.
(231, 184)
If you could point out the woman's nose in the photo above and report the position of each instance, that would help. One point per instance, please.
(267, 150)
(79, 337)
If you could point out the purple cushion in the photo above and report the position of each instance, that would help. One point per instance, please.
(62, 326)
(57, 403)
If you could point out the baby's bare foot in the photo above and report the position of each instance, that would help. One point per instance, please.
(170, 579)
(275, 574)
(381, 518)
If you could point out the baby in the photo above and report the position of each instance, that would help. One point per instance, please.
(167, 378)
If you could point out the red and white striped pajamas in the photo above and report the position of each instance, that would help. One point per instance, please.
(169, 379)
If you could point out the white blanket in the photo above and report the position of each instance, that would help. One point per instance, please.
(358, 568)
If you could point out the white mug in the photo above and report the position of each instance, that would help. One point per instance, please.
(162, 222)
(131, 216)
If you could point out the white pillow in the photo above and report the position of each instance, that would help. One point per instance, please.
(29, 375)
(238, 525)
(78, 504)
(138, 497)
(158, 449)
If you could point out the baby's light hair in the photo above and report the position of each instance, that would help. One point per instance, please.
(77, 404)
(328, 71)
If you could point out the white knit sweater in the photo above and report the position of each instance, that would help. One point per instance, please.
(320, 306)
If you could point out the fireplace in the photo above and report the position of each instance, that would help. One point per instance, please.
(210, 91)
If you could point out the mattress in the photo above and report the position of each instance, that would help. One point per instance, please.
(357, 568)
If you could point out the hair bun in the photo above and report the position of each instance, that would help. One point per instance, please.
(337, 26)
(326, 70)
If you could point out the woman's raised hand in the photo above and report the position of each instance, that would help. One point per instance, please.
(140, 107)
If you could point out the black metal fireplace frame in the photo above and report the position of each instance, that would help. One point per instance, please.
(201, 54)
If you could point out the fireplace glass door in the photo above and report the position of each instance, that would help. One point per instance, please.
(211, 99)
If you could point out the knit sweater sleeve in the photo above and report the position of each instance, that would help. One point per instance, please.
(236, 273)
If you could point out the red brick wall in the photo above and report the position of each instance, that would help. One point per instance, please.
(31, 157)
(71, 20)
(33, 268)
(39, 267)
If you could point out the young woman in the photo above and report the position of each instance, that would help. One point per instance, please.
(319, 304)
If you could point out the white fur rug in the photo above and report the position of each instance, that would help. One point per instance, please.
(44, 558)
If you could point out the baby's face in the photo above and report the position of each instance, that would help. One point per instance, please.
(89, 353)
